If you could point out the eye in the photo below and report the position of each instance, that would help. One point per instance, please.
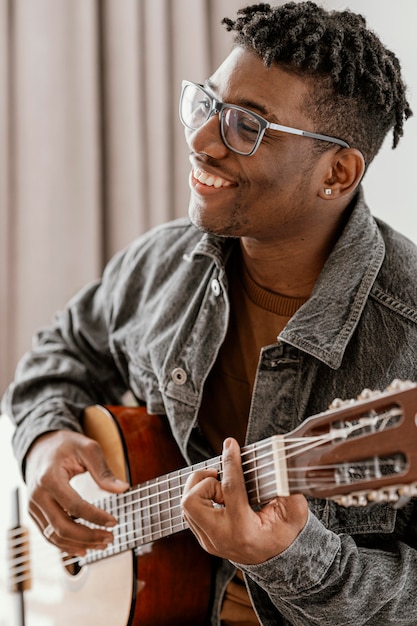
(247, 124)
(203, 105)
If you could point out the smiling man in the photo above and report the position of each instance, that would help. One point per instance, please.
(280, 293)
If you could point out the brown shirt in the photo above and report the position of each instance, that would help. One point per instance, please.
(257, 317)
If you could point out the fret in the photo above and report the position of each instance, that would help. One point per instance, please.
(173, 505)
(158, 512)
(113, 502)
(179, 479)
(251, 476)
(152, 510)
(130, 534)
(169, 508)
(145, 512)
(137, 518)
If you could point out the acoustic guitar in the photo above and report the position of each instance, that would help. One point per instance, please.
(154, 573)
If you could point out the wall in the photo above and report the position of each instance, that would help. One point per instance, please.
(389, 183)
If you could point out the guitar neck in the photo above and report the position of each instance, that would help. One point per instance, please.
(357, 452)
(152, 510)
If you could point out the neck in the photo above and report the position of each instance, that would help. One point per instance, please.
(289, 267)
(284, 274)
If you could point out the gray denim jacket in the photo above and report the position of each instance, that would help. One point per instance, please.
(154, 325)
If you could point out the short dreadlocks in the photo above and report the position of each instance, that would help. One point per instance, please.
(357, 90)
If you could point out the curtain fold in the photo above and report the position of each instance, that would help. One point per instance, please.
(5, 194)
(93, 153)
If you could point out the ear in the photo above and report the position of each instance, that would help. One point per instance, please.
(344, 173)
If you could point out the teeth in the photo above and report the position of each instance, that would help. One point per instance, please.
(210, 180)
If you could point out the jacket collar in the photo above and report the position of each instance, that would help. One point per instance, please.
(324, 325)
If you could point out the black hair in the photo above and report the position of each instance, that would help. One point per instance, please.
(358, 93)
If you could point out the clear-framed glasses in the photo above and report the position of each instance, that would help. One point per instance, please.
(241, 130)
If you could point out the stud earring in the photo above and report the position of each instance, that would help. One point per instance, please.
(328, 191)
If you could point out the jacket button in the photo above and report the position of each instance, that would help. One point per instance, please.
(215, 287)
(179, 376)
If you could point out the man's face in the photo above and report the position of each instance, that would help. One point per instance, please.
(271, 195)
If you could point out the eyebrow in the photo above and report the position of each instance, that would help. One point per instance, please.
(243, 102)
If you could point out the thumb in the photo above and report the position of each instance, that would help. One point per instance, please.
(97, 465)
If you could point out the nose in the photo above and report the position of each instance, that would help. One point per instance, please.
(207, 139)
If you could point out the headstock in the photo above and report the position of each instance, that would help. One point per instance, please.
(359, 451)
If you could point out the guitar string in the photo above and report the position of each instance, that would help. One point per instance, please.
(80, 560)
(23, 573)
(151, 501)
(173, 523)
(300, 441)
(314, 441)
(294, 445)
(16, 543)
(214, 463)
(67, 561)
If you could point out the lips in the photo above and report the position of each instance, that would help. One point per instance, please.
(210, 180)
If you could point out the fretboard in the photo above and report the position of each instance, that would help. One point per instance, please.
(152, 510)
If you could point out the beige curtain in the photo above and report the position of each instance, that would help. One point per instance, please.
(91, 151)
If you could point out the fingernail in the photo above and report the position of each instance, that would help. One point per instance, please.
(226, 443)
(110, 524)
(122, 483)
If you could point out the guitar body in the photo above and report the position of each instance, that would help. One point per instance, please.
(167, 584)
(172, 576)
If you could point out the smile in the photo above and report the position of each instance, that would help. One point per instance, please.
(210, 180)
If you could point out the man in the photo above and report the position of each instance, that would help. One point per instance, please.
(282, 294)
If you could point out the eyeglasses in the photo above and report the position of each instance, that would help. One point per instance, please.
(241, 130)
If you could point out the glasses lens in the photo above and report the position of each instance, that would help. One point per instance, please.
(240, 129)
(195, 107)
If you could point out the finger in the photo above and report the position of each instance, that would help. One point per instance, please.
(199, 519)
(92, 458)
(233, 481)
(67, 534)
(60, 505)
(198, 476)
(55, 459)
(55, 490)
(201, 499)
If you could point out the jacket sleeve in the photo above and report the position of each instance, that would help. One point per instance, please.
(72, 365)
(325, 579)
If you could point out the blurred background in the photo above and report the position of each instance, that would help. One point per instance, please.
(92, 154)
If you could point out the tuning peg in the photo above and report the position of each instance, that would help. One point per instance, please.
(394, 495)
(376, 496)
(372, 497)
(352, 499)
(400, 385)
(409, 491)
(343, 500)
(362, 500)
(367, 394)
(338, 403)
